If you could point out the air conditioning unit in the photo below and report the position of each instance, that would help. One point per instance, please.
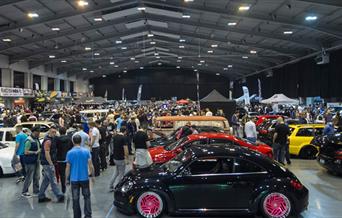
(323, 58)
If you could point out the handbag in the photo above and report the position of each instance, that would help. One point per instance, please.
(16, 165)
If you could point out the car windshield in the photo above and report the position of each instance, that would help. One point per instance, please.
(245, 140)
(174, 145)
(174, 164)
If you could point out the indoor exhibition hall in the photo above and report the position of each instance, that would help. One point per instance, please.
(170, 108)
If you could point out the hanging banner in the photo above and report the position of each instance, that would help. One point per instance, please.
(106, 94)
(259, 88)
(123, 94)
(139, 93)
(11, 92)
(198, 96)
(246, 95)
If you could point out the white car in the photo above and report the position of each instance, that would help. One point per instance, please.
(6, 155)
(7, 136)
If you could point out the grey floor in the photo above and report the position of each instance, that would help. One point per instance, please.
(325, 196)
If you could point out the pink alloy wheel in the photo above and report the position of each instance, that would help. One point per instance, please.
(150, 205)
(277, 205)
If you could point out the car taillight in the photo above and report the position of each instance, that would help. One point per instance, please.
(338, 154)
(296, 184)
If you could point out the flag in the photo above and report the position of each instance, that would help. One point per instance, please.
(123, 94)
(106, 94)
(246, 95)
(259, 88)
(139, 93)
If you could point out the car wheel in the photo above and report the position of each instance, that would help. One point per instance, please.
(308, 152)
(1, 172)
(276, 205)
(150, 205)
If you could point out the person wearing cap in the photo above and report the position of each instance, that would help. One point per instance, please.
(30, 159)
(78, 162)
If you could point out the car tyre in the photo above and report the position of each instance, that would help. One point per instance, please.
(276, 205)
(1, 172)
(150, 205)
(308, 152)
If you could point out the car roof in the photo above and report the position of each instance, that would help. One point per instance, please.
(312, 125)
(216, 150)
(191, 118)
(37, 122)
(204, 135)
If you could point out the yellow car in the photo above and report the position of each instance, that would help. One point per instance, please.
(301, 137)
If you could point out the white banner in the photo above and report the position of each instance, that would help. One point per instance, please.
(246, 95)
(259, 87)
(11, 92)
(139, 93)
(123, 94)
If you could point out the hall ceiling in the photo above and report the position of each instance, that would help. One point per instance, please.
(231, 37)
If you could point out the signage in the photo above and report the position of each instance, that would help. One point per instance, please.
(11, 92)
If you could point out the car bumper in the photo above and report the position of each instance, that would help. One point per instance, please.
(331, 164)
(123, 202)
(7, 170)
(303, 201)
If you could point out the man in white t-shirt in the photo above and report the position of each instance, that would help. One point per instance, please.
(208, 112)
(95, 146)
(250, 130)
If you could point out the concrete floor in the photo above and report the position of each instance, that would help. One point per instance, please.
(325, 196)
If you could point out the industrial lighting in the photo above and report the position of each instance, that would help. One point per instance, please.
(210, 51)
(132, 59)
(245, 57)
(152, 43)
(150, 35)
(180, 57)
(288, 32)
(253, 52)
(202, 61)
(112, 63)
(55, 29)
(91, 71)
(178, 61)
(96, 54)
(225, 68)
(32, 15)
(52, 56)
(123, 48)
(63, 61)
(217, 74)
(118, 41)
(186, 16)
(156, 54)
(116, 66)
(178, 67)
(199, 64)
(181, 46)
(157, 57)
(141, 68)
(7, 40)
(125, 71)
(141, 9)
(232, 24)
(82, 3)
(195, 70)
(311, 18)
(98, 19)
(104, 76)
(244, 8)
(87, 48)
(159, 63)
(214, 46)
(136, 62)
(182, 40)
(188, 0)
(230, 66)
(84, 69)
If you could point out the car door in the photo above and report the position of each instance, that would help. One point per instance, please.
(9, 138)
(201, 186)
(302, 137)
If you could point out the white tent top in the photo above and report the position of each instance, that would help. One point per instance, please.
(280, 99)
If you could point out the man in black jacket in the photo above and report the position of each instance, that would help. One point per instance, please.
(63, 145)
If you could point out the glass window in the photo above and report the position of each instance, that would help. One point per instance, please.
(244, 166)
(304, 132)
(9, 137)
(319, 131)
(18, 79)
(1, 135)
(227, 165)
(37, 80)
(43, 128)
(51, 84)
(204, 166)
(175, 144)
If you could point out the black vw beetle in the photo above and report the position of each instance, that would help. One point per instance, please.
(213, 180)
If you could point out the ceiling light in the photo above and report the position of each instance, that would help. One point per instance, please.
(150, 35)
(96, 54)
(159, 63)
(152, 43)
(188, 0)
(52, 56)
(186, 16)
(232, 24)
(125, 71)
(7, 40)
(136, 62)
(180, 57)
(245, 57)
(32, 15)
(63, 61)
(210, 51)
(311, 18)
(157, 57)
(91, 71)
(199, 64)
(178, 67)
(82, 3)
(112, 62)
(252, 51)
(244, 8)
(98, 19)
(116, 66)
(123, 48)
(141, 68)
(181, 46)
(104, 76)
(55, 29)
(118, 41)
(141, 9)
(230, 66)
(288, 32)
(195, 70)
(84, 69)
(156, 54)
(225, 68)
(202, 61)
(178, 61)
(217, 74)
(182, 40)
(214, 46)
(132, 59)
(87, 48)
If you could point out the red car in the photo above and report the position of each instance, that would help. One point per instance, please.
(162, 154)
(262, 118)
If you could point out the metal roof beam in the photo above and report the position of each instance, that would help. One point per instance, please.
(9, 2)
(334, 3)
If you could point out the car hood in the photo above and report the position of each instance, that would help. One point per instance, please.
(153, 172)
(7, 153)
(156, 151)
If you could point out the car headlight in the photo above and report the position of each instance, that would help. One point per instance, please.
(126, 187)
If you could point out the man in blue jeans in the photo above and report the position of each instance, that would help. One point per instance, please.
(78, 161)
(48, 157)
(19, 151)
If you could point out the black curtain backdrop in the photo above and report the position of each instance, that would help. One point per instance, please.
(302, 79)
(160, 83)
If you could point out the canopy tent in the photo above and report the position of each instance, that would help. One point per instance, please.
(280, 99)
(215, 100)
(90, 101)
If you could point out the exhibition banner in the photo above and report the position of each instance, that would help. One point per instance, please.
(11, 92)
(139, 93)
(246, 95)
